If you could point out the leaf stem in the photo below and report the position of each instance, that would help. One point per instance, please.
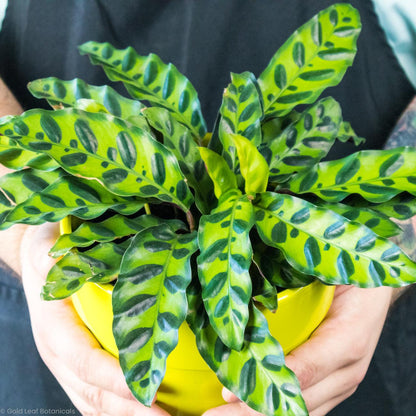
(190, 219)
(147, 209)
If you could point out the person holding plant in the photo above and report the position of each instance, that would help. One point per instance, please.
(92, 379)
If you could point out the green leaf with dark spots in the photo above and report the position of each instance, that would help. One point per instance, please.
(60, 93)
(160, 312)
(83, 198)
(18, 187)
(368, 216)
(253, 374)
(313, 58)
(360, 173)
(352, 247)
(225, 256)
(121, 158)
(305, 141)
(180, 142)
(241, 112)
(148, 78)
(112, 228)
(99, 264)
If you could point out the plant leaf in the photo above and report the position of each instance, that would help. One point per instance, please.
(218, 170)
(401, 207)
(110, 229)
(60, 93)
(315, 57)
(223, 266)
(328, 246)
(306, 141)
(14, 157)
(17, 187)
(149, 304)
(376, 175)
(83, 198)
(271, 264)
(346, 133)
(148, 78)
(257, 373)
(178, 139)
(253, 165)
(98, 264)
(125, 158)
(241, 112)
(377, 222)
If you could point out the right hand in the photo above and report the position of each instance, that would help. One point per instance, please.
(91, 377)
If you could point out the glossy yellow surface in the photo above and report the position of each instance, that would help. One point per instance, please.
(190, 387)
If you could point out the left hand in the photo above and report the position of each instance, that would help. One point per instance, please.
(334, 361)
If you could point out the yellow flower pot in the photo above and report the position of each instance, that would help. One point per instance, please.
(190, 387)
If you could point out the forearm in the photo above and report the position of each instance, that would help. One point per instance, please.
(11, 238)
(403, 135)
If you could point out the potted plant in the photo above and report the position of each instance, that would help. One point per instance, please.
(208, 227)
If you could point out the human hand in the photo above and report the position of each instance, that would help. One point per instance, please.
(333, 362)
(91, 377)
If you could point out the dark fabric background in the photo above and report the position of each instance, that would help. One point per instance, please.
(205, 40)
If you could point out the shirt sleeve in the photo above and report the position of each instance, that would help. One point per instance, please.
(398, 20)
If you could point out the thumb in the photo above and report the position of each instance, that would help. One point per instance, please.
(34, 258)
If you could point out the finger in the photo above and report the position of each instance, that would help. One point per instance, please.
(70, 341)
(342, 383)
(327, 407)
(228, 396)
(344, 337)
(320, 356)
(233, 409)
(91, 398)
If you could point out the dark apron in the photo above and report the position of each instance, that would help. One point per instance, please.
(207, 40)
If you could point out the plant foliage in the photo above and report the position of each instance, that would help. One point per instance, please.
(251, 208)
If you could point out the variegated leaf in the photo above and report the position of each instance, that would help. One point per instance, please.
(241, 112)
(272, 264)
(110, 229)
(14, 157)
(257, 373)
(253, 165)
(17, 187)
(322, 243)
(98, 264)
(223, 266)
(149, 304)
(70, 195)
(220, 173)
(315, 57)
(401, 207)
(273, 127)
(93, 106)
(377, 222)
(346, 133)
(178, 139)
(60, 93)
(376, 175)
(125, 158)
(148, 78)
(306, 141)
